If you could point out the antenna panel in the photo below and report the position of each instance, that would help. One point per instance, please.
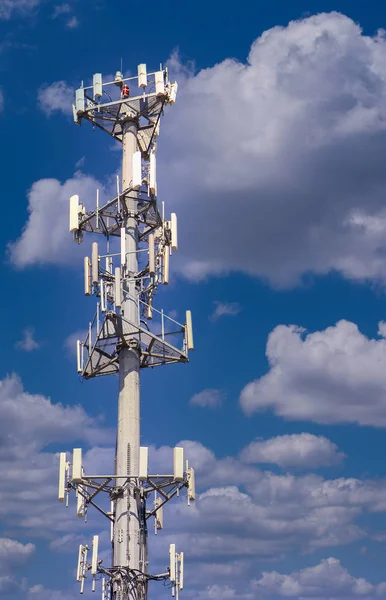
(137, 170)
(74, 213)
(181, 576)
(123, 246)
(78, 357)
(77, 465)
(62, 476)
(94, 559)
(191, 485)
(173, 92)
(79, 100)
(118, 298)
(165, 275)
(80, 505)
(87, 280)
(173, 229)
(153, 174)
(159, 515)
(189, 331)
(172, 566)
(142, 76)
(97, 85)
(151, 255)
(143, 463)
(178, 464)
(95, 262)
(159, 83)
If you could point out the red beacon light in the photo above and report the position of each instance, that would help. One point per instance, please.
(125, 91)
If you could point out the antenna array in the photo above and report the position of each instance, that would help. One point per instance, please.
(127, 332)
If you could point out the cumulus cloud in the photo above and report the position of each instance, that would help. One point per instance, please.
(326, 580)
(45, 238)
(55, 98)
(303, 450)
(225, 309)
(209, 398)
(28, 343)
(13, 8)
(284, 154)
(333, 376)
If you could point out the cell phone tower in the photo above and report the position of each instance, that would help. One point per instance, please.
(128, 333)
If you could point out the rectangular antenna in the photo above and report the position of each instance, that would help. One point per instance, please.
(118, 299)
(137, 170)
(151, 255)
(172, 566)
(79, 570)
(94, 559)
(77, 465)
(62, 476)
(79, 505)
(165, 275)
(87, 280)
(181, 577)
(74, 213)
(95, 262)
(143, 463)
(191, 485)
(153, 174)
(78, 356)
(178, 464)
(97, 85)
(159, 83)
(102, 296)
(79, 100)
(123, 246)
(173, 92)
(159, 515)
(173, 229)
(142, 76)
(189, 331)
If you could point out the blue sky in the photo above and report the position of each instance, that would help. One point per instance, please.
(273, 159)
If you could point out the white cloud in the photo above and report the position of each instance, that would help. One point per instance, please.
(28, 343)
(61, 9)
(39, 591)
(12, 8)
(283, 154)
(225, 309)
(55, 98)
(73, 23)
(45, 238)
(209, 398)
(327, 580)
(303, 450)
(333, 376)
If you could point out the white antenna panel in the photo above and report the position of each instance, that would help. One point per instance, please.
(77, 465)
(94, 559)
(173, 229)
(97, 85)
(181, 577)
(191, 485)
(62, 476)
(178, 464)
(79, 100)
(118, 298)
(173, 92)
(137, 170)
(172, 566)
(159, 83)
(189, 330)
(151, 255)
(123, 246)
(153, 174)
(78, 356)
(80, 505)
(95, 262)
(165, 278)
(79, 571)
(142, 76)
(143, 463)
(87, 280)
(74, 213)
